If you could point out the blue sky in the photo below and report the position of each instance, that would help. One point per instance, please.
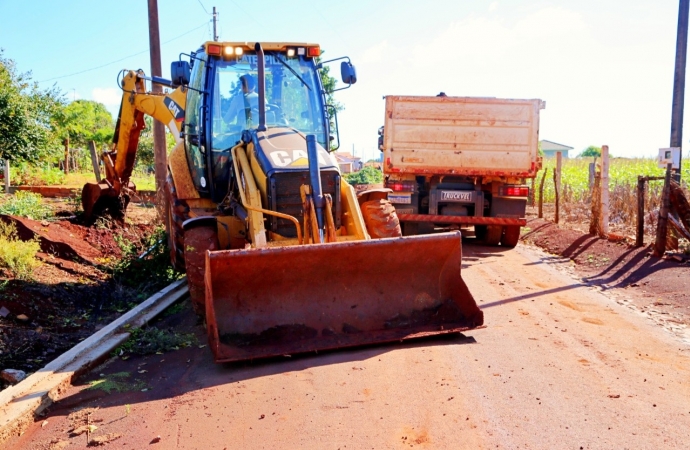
(604, 68)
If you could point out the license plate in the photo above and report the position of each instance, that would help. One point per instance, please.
(404, 210)
(457, 196)
(400, 199)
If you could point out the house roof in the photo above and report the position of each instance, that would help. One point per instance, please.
(346, 157)
(553, 146)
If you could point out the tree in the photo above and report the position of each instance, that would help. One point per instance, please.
(27, 114)
(591, 151)
(329, 85)
(145, 155)
(84, 121)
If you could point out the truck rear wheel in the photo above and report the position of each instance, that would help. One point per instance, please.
(493, 234)
(381, 219)
(178, 212)
(196, 241)
(480, 232)
(511, 236)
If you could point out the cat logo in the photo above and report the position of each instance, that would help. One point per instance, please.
(298, 158)
(175, 109)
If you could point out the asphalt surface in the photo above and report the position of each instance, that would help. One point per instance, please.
(560, 365)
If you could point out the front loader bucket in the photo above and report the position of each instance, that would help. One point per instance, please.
(286, 300)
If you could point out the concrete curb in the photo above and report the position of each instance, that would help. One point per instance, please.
(19, 404)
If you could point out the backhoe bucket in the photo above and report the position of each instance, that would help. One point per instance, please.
(286, 300)
(98, 199)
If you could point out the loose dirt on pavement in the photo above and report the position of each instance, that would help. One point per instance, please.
(559, 366)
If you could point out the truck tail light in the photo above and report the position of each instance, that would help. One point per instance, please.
(400, 185)
(514, 191)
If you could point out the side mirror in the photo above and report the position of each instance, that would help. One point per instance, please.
(348, 72)
(180, 72)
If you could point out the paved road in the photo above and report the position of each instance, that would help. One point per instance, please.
(559, 366)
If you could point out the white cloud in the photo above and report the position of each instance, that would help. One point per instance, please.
(373, 54)
(108, 96)
(493, 6)
(600, 88)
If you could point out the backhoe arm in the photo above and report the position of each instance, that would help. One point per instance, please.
(111, 194)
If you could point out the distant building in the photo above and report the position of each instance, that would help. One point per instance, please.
(550, 148)
(347, 162)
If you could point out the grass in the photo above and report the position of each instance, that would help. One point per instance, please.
(144, 181)
(151, 340)
(622, 172)
(16, 256)
(117, 382)
(575, 197)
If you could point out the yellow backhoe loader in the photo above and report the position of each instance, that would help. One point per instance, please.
(281, 255)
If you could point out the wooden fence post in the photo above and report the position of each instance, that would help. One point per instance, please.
(66, 142)
(559, 166)
(94, 161)
(604, 186)
(532, 194)
(639, 238)
(541, 193)
(556, 189)
(7, 176)
(662, 226)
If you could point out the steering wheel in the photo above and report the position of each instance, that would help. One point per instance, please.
(228, 138)
(278, 114)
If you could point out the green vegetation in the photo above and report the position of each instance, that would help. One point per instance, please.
(590, 151)
(27, 115)
(152, 272)
(151, 340)
(25, 204)
(25, 174)
(368, 175)
(622, 172)
(117, 382)
(16, 256)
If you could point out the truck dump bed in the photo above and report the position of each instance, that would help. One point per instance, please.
(461, 136)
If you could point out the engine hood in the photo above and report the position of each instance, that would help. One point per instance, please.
(283, 149)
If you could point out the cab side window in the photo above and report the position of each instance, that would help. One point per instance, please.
(194, 141)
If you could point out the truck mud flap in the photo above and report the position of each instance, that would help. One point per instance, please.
(287, 300)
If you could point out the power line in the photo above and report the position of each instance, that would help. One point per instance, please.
(121, 59)
(202, 5)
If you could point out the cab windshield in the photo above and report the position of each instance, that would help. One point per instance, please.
(293, 97)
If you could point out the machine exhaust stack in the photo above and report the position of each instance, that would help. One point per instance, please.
(262, 86)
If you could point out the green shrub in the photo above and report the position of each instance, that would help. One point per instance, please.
(16, 256)
(368, 175)
(24, 174)
(25, 204)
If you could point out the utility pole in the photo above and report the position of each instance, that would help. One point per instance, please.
(159, 150)
(215, 17)
(679, 82)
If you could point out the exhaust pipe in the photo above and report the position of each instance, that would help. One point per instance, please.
(262, 86)
(315, 178)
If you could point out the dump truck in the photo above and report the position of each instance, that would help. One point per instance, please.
(281, 255)
(461, 161)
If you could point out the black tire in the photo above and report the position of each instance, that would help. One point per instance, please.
(178, 212)
(493, 234)
(381, 219)
(511, 236)
(196, 242)
(480, 232)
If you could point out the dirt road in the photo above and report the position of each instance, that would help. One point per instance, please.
(559, 366)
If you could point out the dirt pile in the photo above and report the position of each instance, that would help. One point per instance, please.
(89, 276)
